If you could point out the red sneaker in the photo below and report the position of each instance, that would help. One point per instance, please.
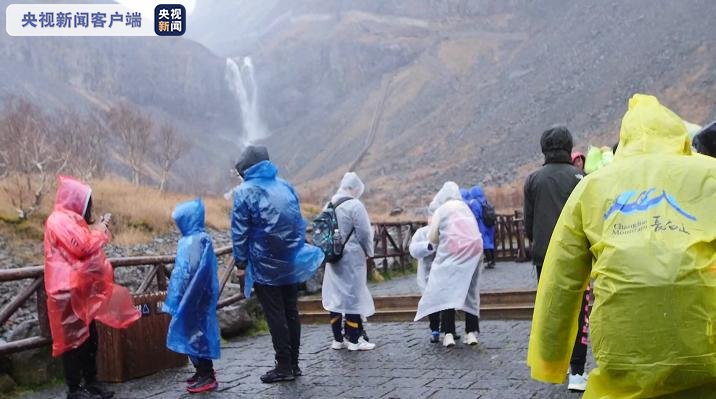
(194, 378)
(204, 383)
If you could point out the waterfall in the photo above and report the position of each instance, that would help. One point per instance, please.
(243, 85)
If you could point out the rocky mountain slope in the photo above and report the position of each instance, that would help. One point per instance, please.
(407, 93)
(413, 93)
(172, 79)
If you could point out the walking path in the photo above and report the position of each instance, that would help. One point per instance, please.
(404, 364)
(505, 276)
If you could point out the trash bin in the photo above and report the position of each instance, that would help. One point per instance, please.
(140, 349)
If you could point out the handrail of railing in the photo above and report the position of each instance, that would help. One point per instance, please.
(391, 246)
(21, 273)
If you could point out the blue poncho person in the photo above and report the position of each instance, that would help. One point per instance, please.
(268, 231)
(193, 288)
(476, 200)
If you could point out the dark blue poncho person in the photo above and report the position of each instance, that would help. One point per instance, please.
(267, 229)
(268, 237)
(477, 201)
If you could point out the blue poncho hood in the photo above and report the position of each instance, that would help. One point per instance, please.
(477, 193)
(189, 217)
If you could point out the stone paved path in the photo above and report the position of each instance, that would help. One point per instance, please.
(404, 365)
(506, 275)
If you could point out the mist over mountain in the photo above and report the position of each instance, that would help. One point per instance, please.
(456, 90)
(171, 79)
(407, 93)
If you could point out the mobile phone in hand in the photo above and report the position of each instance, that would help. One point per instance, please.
(106, 218)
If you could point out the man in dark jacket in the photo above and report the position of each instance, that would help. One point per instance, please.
(546, 191)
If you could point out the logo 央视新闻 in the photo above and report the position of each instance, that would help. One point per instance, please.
(169, 20)
(643, 202)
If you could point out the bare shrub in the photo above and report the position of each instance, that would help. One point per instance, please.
(134, 130)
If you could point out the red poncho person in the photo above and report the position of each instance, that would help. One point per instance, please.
(78, 278)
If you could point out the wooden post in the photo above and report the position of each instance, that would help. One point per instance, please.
(384, 241)
(161, 278)
(510, 236)
(227, 275)
(42, 319)
(401, 249)
(499, 235)
(148, 280)
(19, 299)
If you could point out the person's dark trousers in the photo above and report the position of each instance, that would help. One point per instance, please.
(202, 366)
(489, 256)
(447, 321)
(434, 321)
(354, 327)
(472, 323)
(363, 333)
(81, 362)
(579, 352)
(337, 326)
(539, 270)
(280, 305)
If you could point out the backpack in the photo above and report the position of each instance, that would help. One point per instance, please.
(489, 216)
(327, 235)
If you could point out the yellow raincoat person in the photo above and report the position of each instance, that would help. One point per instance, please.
(644, 230)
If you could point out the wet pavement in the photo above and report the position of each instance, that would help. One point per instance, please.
(403, 365)
(505, 275)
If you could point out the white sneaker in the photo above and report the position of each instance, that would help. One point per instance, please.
(362, 345)
(448, 341)
(338, 345)
(577, 382)
(470, 338)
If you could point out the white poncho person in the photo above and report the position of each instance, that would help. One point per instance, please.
(454, 274)
(345, 283)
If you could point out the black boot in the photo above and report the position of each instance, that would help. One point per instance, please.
(297, 372)
(277, 376)
(97, 390)
(81, 393)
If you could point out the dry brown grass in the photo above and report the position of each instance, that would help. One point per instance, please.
(138, 212)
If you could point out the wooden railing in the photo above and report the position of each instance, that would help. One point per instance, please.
(392, 241)
(510, 240)
(158, 274)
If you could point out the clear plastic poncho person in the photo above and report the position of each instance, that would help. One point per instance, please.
(643, 230)
(423, 250)
(345, 285)
(193, 287)
(453, 282)
(269, 236)
(79, 279)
